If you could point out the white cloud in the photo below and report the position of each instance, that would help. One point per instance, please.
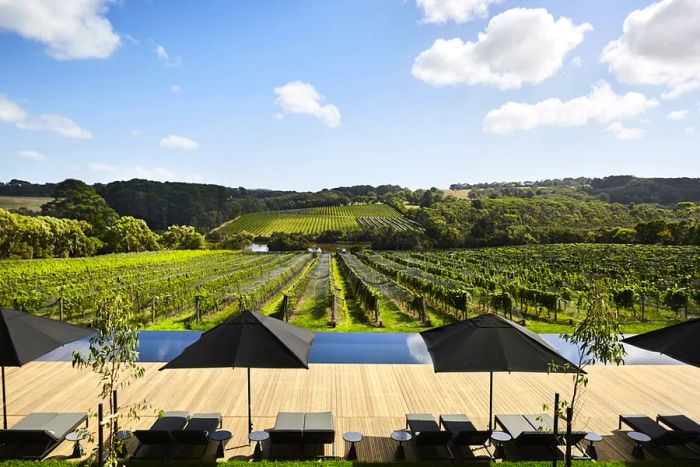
(178, 142)
(577, 62)
(623, 133)
(601, 105)
(660, 45)
(75, 29)
(31, 155)
(690, 130)
(176, 88)
(677, 115)
(135, 133)
(154, 173)
(518, 46)
(302, 98)
(165, 57)
(12, 113)
(100, 167)
(459, 11)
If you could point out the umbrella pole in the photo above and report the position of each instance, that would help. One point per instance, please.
(490, 400)
(250, 418)
(4, 401)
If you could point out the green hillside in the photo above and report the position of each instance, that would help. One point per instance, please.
(316, 220)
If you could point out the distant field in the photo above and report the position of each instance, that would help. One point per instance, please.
(462, 194)
(33, 203)
(317, 220)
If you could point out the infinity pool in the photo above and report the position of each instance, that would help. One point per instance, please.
(342, 347)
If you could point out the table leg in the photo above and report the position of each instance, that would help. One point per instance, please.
(400, 452)
(638, 451)
(77, 450)
(220, 450)
(499, 453)
(352, 453)
(257, 452)
(591, 451)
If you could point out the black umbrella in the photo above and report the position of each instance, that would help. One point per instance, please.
(25, 337)
(489, 343)
(248, 340)
(680, 341)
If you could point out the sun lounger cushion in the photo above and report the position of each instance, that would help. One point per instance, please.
(289, 428)
(318, 427)
(463, 430)
(160, 432)
(680, 422)
(198, 429)
(545, 422)
(426, 430)
(524, 433)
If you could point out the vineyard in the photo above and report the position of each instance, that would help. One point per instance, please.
(316, 220)
(543, 286)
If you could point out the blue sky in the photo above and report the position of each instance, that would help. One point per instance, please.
(311, 94)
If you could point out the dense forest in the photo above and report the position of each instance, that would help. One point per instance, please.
(129, 215)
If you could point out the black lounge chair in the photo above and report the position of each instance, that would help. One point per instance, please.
(679, 422)
(426, 433)
(193, 441)
(464, 433)
(288, 429)
(38, 434)
(659, 435)
(318, 428)
(303, 429)
(533, 443)
(158, 442)
(545, 422)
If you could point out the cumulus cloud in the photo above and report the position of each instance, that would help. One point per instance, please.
(100, 167)
(660, 45)
(165, 57)
(178, 142)
(68, 29)
(153, 173)
(12, 113)
(459, 11)
(577, 62)
(135, 133)
(518, 46)
(302, 98)
(601, 105)
(677, 115)
(623, 133)
(31, 155)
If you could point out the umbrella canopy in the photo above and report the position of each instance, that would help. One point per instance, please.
(679, 341)
(489, 343)
(25, 337)
(249, 340)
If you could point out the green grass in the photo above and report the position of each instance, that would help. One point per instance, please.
(32, 203)
(316, 220)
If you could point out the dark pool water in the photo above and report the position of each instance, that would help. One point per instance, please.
(342, 347)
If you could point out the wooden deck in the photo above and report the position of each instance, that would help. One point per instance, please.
(368, 398)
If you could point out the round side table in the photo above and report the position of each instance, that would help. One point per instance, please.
(639, 440)
(221, 436)
(75, 437)
(352, 437)
(401, 437)
(258, 437)
(499, 438)
(592, 437)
